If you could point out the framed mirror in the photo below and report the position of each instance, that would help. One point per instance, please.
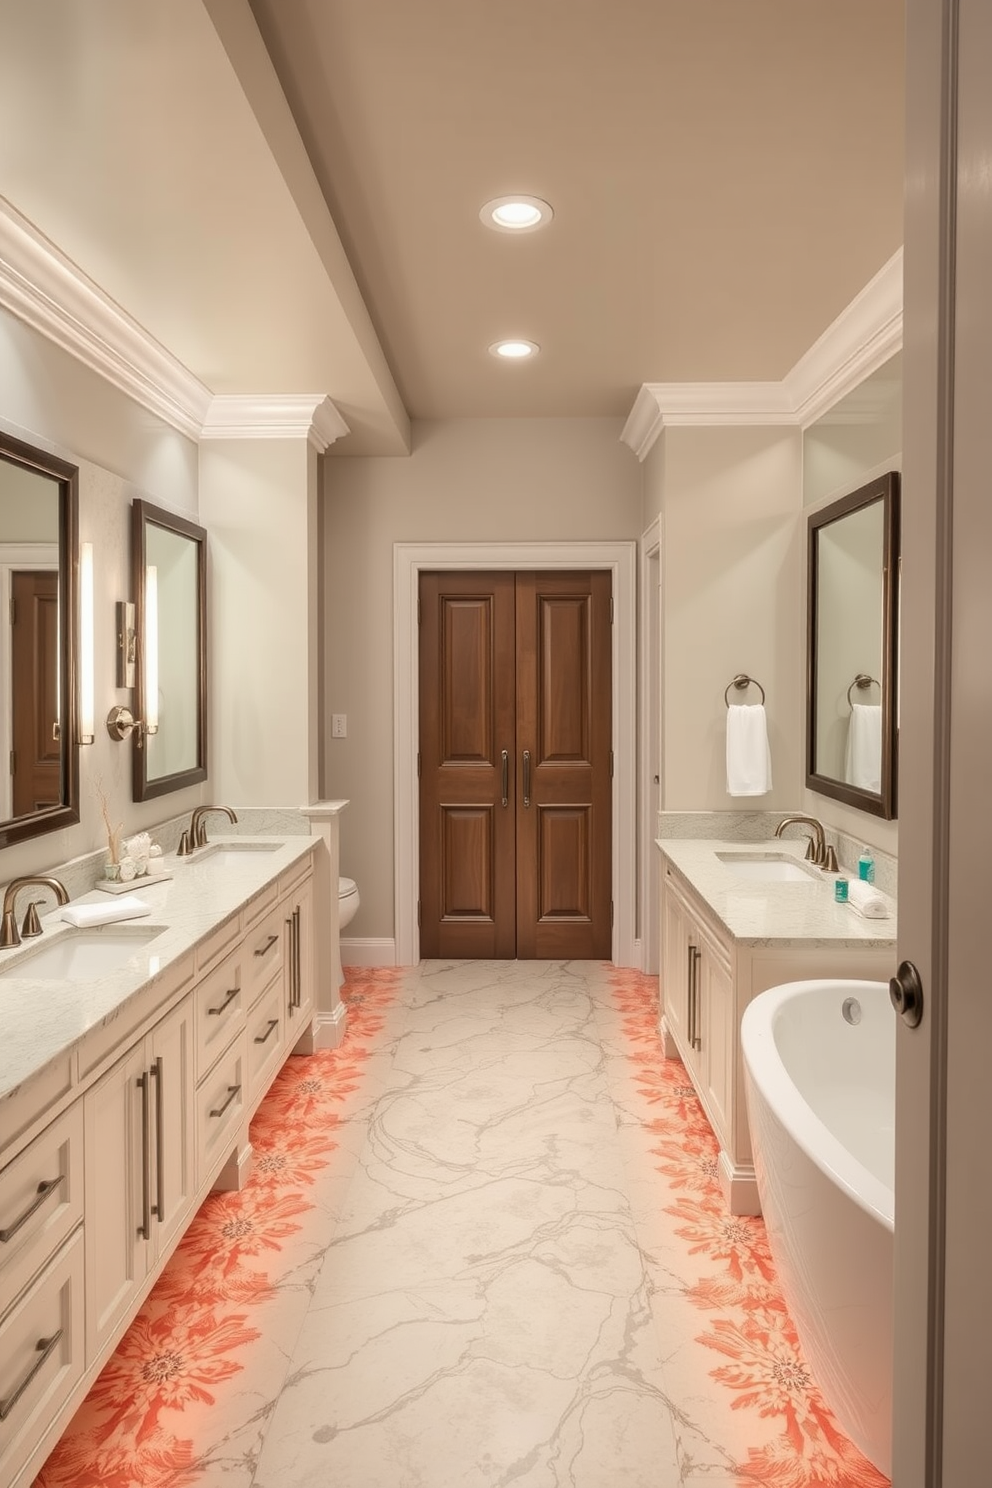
(169, 577)
(852, 648)
(39, 557)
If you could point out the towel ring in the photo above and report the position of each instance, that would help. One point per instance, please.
(741, 681)
(861, 682)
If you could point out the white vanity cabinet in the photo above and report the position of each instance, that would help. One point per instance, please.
(107, 1151)
(140, 1169)
(718, 951)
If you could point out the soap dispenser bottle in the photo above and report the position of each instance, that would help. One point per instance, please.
(866, 866)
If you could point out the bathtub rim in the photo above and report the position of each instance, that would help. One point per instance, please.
(786, 1103)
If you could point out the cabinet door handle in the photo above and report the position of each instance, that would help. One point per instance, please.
(526, 777)
(157, 1076)
(695, 956)
(145, 1228)
(264, 1039)
(233, 1091)
(690, 999)
(291, 1000)
(41, 1194)
(505, 758)
(44, 1346)
(263, 950)
(222, 1007)
(297, 979)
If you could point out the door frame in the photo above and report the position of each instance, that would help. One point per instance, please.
(649, 745)
(408, 561)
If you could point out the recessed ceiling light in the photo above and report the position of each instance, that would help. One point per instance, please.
(516, 214)
(514, 351)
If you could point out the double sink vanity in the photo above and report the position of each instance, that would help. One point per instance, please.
(133, 1057)
(736, 919)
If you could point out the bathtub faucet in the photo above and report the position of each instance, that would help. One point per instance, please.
(818, 851)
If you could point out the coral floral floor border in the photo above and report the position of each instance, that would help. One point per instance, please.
(747, 1324)
(148, 1421)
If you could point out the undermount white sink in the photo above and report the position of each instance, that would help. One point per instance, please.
(83, 955)
(767, 867)
(232, 854)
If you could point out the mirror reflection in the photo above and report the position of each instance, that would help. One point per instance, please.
(38, 748)
(851, 730)
(169, 560)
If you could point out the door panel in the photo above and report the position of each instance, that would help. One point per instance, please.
(37, 772)
(467, 836)
(508, 664)
(564, 719)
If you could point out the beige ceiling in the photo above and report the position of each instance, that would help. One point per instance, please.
(726, 175)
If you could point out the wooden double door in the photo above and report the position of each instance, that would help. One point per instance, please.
(515, 765)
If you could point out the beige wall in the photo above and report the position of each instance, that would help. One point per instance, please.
(52, 401)
(472, 480)
(258, 502)
(732, 557)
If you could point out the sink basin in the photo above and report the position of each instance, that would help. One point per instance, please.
(764, 867)
(83, 955)
(232, 854)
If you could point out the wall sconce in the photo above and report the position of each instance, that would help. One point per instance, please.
(87, 720)
(121, 722)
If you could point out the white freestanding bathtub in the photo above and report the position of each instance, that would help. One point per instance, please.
(819, 1061)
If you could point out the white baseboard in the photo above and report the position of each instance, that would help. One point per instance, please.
(368, 951)
(328, 1029)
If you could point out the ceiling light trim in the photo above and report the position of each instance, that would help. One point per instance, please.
(487, 214)
(46, 290)
(311, 416)
(866, 333)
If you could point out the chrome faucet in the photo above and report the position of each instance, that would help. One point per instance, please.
(818, 850)
(196, 834)
(32, 926)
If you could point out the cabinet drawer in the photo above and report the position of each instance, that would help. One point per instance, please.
(28, 1104)
(41, 1200)
(262, 952)
(41, 1355)
(220, 1106)
(266, 1032)
(217, 942)
(220, 1011)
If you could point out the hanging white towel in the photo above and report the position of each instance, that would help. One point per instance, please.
(749, 759)
(863, 765)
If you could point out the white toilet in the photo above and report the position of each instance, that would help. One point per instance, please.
(347, 909)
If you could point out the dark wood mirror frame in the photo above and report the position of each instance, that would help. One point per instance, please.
(66, 814)
(881, 803)
(144, 516)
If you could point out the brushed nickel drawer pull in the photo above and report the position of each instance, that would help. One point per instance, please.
(262, 950)
(41, 1194)
(158, 1076)
(228, 999)
(273, 1025)
(44, 1347)
(233, 1091)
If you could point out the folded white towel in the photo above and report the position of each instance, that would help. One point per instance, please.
(863, 765)
(749, 759)
(126, 908)
(867, 900)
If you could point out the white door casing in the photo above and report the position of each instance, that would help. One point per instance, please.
(649, 737)
(408, 561)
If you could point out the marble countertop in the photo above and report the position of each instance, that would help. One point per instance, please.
(770, 913)
(43, 1020)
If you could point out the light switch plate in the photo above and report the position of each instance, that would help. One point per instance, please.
(339, 725)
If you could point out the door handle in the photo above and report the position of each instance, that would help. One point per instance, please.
(690, 1000)
(145, 1228)
(906, 994)
(526, 777)
(505, 756)
(157, 1075)
(694, 956)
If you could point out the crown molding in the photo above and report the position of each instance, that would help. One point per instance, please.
(309, 416)
(865, 334)
(48, 292)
